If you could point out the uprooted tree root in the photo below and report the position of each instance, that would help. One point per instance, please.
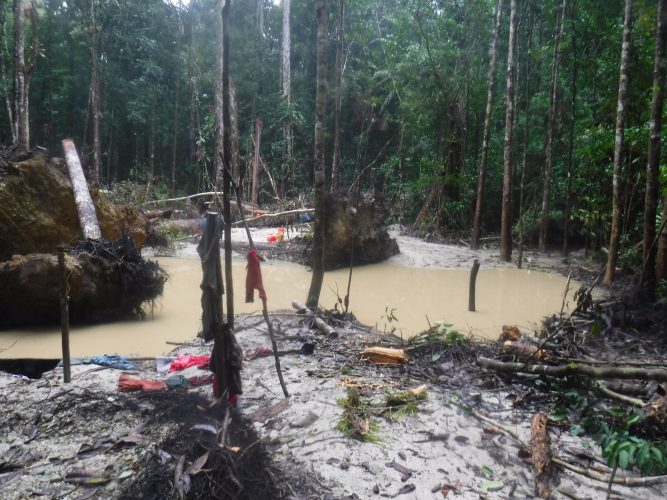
(242, 469)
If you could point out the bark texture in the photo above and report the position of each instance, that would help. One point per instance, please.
(474, 244)
(20, 84)
(286, 72)
(84, 203)
(506, 214)
(340, 40)
(618, 148)
(540, 453)
(95, 95)
(320, 198)
(549, 159)
(653, 165)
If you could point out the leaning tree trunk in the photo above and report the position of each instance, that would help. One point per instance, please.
(340, 40)
(506, 215)
(647, 280)
(474, 244)
(95, 95)
(618, 148)
(544, 223)
(320, 204)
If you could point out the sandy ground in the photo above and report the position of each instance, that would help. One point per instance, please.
(87, 429)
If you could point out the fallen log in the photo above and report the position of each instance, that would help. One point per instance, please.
(622, 372)
(540, 453)
(84, 203)
(277, 214)
(321, 325)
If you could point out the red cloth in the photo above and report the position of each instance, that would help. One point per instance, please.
(233, 397)
(127, 384)
(253, 278)
(186, 361)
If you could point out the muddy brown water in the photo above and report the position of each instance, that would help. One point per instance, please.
(383, 295)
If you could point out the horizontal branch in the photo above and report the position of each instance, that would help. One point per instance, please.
(277, 214)
(657, 374)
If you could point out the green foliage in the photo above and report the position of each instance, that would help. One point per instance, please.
(441, 334)
(625, 451)
(402, 403)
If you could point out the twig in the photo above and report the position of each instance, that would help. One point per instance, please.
(275, 347)
(619, 397)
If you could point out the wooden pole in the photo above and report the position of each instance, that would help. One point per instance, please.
(471, 289)
(64, 314)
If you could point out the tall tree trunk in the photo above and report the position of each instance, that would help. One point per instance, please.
(340, 41)
(219, 97)
(618, 148)
(174, 139)
(526, 129)
(151, 155)
(647, 279)
(20, 98)
(553, 98)
(260, 16)
(286, 77)
(573, 119)
(477, 224)
(95, 95)
(320, 115)
(3, 69)
(227, 162)
(506, 215)
(254, 196)
(192, 86)
(233, 111)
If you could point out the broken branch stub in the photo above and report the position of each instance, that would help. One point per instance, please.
(384, 355)
(540, 452)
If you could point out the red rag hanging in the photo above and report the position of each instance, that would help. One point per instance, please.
(253, 279)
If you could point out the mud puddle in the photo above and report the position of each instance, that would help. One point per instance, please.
(390, 297)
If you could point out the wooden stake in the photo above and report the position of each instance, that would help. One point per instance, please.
(265, 312)
(64, 315)
(471, 290)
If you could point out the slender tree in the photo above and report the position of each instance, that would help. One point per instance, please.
(506, 213)
(553, 104)
(573, 120)
(177, 96)
(491, 77)
(3, 69)
(95, 96)
(526, 128)
(227, 162)
(218, 166)
(286, 79)
(338, 82)
(618, 148)
(20, 84)
(254, 188)
(647, 279)
(320, 194)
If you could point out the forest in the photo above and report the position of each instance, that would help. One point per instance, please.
(539, 121)
(448, 134)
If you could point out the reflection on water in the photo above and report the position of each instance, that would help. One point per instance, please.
(414, 296)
